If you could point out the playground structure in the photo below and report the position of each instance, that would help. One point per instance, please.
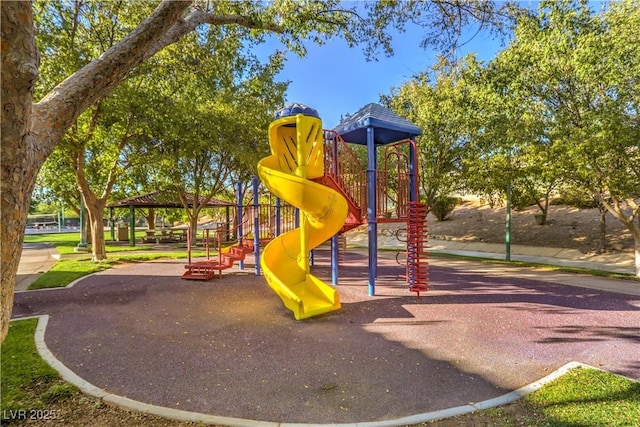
(318, 173)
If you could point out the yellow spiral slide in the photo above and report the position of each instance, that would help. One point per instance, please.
(296, 157)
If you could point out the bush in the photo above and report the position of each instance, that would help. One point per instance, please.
(443, 207)
(521, 201)
(575, 200)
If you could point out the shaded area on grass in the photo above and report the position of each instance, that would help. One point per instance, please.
(66, 271)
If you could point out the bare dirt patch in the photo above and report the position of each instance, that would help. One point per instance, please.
(567, 227)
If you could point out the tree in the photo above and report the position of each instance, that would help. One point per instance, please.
(210, 123)
(582, 69)
(439, 102)
(168, 100)
(97, 148)
(31, 130)
(509, 147)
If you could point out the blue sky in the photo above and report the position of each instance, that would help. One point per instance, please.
(336, 80)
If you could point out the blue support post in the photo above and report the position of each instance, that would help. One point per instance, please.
(413, 183)
(335, 245)
(239, 220)
(334, 259)
(371, 210)
(278, 216)
(256, 225)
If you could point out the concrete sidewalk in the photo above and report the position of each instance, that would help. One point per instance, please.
(619, 262)
(37, 258)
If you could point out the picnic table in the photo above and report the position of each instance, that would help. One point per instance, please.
(165, 236)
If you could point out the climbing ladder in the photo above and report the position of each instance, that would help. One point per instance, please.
(417, 265)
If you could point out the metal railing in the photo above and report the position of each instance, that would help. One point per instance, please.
(343, 167)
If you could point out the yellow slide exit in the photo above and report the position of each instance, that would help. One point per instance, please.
(296, 157)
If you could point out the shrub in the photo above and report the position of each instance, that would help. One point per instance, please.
(521, 201)
(576, 198)
(443, 207)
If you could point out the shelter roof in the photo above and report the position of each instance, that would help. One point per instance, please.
(159, 199)
(388, 126)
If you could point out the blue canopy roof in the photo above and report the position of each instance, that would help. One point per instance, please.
(388, 126)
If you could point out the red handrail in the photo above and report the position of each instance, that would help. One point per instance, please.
(343, 167)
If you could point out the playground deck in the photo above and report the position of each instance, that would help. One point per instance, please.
(230, 348)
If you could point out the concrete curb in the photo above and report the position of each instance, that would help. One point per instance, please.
(179, 415)
(70, 285)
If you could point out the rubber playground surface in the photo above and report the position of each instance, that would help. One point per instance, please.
(229, 348)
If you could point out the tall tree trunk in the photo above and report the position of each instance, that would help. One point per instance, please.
(192, 215)
(193, 230)
(636, 244)
(151, 219)
(21, 156)
(615, 208)
(95, 210)
(602, 243)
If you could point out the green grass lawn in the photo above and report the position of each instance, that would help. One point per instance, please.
(65, 243)
(28, 382)
(588, 397)
(66, 271)
(70, 268)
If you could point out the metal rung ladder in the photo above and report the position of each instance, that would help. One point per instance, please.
(417, 265)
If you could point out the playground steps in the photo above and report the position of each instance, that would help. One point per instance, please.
(206, 270)
(199, 271)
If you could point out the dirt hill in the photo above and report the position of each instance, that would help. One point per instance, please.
(566, 227)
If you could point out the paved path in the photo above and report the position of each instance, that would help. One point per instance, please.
(617, 262)
(36, 259)
(229, 348)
